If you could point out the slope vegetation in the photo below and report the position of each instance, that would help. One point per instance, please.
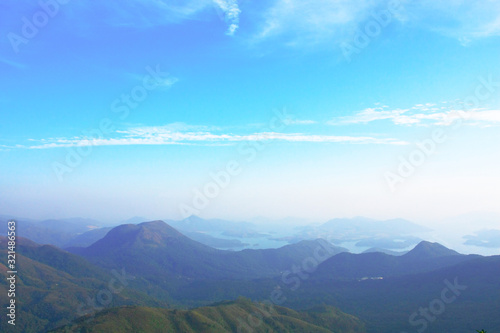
(238, 316)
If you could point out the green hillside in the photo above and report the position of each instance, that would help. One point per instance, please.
(53, 287)
(238, 316)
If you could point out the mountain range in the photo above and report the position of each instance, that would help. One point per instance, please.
(162, 255)
(152, 270)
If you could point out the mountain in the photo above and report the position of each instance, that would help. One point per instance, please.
(366, 233)
(58, 232)
(388, 304)
(54, 287)
(197, 224)
(389, 252)
(427, 250)
(90, 237)
(134, 220)
(484, 238)
(424, 257)
(166, 258)
(362, 226)
(389, 242)
(459, 298)
(235, 316)
(4, 218)
(473, 221)
(74, 225)
(215, 242)
(87, 238)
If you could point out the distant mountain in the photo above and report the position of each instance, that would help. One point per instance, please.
(423, 258)
(165, 257)
(87, 238)
(4, 218)
(58, 232)
(427, 250)
(215, 242)
(366, 232)
(90, 237)
(225, 317)
(390, 242)
(484, 238)
(473, 221)
(362, 226)
(53, 287)
(469, 290)
(244, 234)
(70, 225)
(287, 224)
(197, 224)
(134, 220)
(389, 252)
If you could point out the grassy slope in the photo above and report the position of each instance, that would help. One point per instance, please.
(52, 284)
(224, 317)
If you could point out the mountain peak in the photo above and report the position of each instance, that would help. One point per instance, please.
(427, 249)
(134, 220)
(155, 223)
(153, 233)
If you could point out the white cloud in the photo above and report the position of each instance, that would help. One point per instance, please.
(164, 83)
(423, 115)
(232, 14)
(182, 134)
(306, 22)
(172, 127)
(168, 82)
(464, 20)
(311, 21)
(151, 13)
(299, 122)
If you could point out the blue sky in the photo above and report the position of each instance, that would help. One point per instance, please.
(328, 108)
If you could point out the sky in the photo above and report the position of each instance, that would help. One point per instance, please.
(235, 109)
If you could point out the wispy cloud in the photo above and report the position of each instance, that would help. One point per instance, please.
(182, 134)
(463, 20)
(423, 115)
(164, 83)
(4, 148)
(299, 122)
(231, 13)
(306, 22)
(150, 13)
(12, 63)
(311, 21)
(172, 127)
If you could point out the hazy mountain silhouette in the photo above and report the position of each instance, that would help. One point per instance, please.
(424, 257)
(157, 252)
